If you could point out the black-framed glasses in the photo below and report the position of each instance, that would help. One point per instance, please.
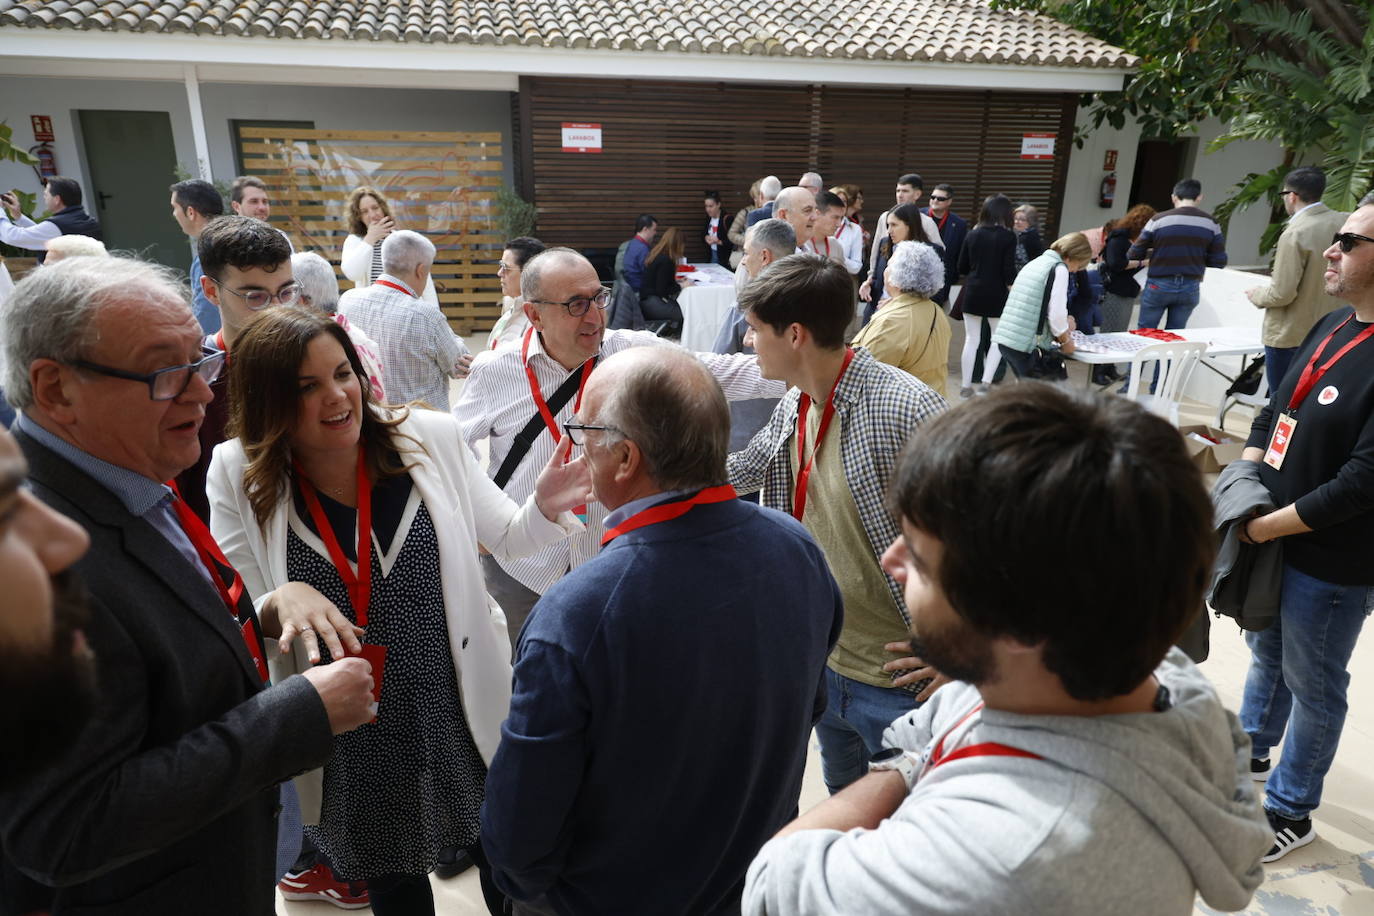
(933, 197)
(165, 384)
(578, 306)
(1286, 192)
(573, 429)
(1348, 240)
(259, 299)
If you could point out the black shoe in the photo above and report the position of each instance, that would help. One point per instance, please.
(1259, 769)
(1288, 835)
(453, 861)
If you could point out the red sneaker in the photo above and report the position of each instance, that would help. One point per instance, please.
(319, 883)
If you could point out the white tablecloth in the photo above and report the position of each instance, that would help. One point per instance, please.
(705, 304)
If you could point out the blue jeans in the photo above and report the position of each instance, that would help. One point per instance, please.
(1176, 295)
(1276, 363)
(851, 731)
(1302, 657)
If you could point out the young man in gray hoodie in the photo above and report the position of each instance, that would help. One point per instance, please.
(1078, 765)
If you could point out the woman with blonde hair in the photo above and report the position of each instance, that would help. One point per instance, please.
(1036, 316)
(365, 521)
(740, 225)
(369, 223)
(658, 295)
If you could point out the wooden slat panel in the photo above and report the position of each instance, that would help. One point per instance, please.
(409, 136)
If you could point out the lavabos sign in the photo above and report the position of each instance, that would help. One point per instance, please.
(581, 138)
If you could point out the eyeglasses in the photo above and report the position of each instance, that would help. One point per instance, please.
(502, 267)
(933, 197)
(570, 427)
(578, 306)
(259, 299)
(1348, 240)
(1285, 193)
(166, 384)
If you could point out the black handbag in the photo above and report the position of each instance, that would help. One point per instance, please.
(1046, 363)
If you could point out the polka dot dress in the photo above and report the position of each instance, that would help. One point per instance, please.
(399, 789)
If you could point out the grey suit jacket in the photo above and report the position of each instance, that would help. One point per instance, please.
(167, 802)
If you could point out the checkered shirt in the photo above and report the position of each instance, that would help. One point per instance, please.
(879, 407)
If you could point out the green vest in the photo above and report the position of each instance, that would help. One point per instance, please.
(1017, 327)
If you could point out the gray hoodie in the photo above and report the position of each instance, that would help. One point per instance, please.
(1123, 814)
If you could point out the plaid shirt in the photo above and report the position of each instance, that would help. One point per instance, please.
(419, 352)
(879, 407)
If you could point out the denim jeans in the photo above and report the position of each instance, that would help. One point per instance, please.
(1276, 363)
(851, 731)
(1298, 680)
(1176, 295)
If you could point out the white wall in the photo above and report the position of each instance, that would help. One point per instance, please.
(1219, 173)
(1084, 182)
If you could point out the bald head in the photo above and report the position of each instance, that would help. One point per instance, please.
(797, 205)
(547, 264)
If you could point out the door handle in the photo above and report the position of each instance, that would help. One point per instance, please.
(103, 197)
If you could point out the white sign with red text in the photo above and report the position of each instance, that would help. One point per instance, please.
(1037, 146)
(581, 138)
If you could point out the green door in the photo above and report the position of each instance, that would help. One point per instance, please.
(132, 163)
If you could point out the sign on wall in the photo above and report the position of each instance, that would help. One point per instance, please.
(581, 138)
(42, 128)
(1037, 146)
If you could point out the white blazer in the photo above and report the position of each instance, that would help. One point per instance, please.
(357, 259)
(467, 508)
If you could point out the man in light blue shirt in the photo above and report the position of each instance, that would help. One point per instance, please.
(195, 203)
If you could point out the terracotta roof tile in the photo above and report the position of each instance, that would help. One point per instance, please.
(911, 30)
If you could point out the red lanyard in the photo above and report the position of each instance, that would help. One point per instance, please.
(803, 463)
(210, 555)
(396, 286)
(984, 749)
(359, 584)
(941, 224)
(844, 223)
(662, 513)
(538, 396)
(1311, 373)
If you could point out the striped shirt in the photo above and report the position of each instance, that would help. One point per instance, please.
(1182, 242)
(496, 404)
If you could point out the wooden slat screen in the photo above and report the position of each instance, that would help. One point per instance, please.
(667, 142)
(441, 184)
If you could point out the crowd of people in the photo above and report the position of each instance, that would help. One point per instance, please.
(283, 619)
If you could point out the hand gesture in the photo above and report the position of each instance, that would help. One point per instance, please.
(463, 367)
(11, 204)
(303, 611)
(379, 230)
(919, 671)
(866, 290)
(345, 689)
(562, 484)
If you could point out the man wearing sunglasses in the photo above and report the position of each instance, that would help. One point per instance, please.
(1312, 448)
(953, 228)
(1295, 296)
(167, 801)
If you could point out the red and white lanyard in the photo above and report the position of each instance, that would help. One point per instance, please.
(983, 749)
(1312, 373)
(359, 584)
(803, 463)
(666, 511)
(213, 559)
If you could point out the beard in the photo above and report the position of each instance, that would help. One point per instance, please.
(49, 695)
(956, 651)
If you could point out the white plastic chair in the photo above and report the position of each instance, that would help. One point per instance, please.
(1176, 360)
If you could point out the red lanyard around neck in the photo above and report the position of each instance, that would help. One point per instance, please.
(359, 584)
(982, 749)
(666, 511)
(396, 286)
(538, 396)
(1311, 373)
(803, 463)
(213, 559)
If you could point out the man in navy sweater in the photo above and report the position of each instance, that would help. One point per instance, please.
(665, 690)
(1180, 245)
(1315, 446)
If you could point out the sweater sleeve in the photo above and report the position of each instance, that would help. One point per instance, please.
(1058, 317)
(1282, 287)
(357, 254)
(1349, 493)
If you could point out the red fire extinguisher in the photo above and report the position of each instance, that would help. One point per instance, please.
(1108, 190)
(47, 161)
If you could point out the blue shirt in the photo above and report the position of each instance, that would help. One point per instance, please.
(634, 262)
(206, 312)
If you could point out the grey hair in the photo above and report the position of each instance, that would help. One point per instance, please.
(532, 274)
(76, 246)
(51, 313)
(1031, 214)
(917, 268)
(815, 179)
(670, 405)
(770, 187)
(792, 198)
(317, 281)
(405, 250)
(777, 235)
(1366, 200)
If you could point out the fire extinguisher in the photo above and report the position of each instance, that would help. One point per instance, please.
(47, 161)
(1108, 190)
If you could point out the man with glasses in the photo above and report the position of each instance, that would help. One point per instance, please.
(517, 396)
(167, 802)
(419, 351)
(1295, 296)
(1313, 449)
(952, 228)
(664, 691)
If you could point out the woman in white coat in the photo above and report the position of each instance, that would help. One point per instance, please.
(369, 223)
(315, 463)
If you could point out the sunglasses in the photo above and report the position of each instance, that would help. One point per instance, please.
(1348, 240)
(933, 197)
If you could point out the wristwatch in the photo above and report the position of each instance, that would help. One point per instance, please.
(902, 761)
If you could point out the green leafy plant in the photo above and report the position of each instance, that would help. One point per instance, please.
(8, 151)
(517, 215)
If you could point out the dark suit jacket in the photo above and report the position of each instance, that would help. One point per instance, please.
(759, 215)
(725, 247)
(167, 802)
(952, 234)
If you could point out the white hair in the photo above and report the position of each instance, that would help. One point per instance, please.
(917, 268)
(75, 246)
(317, 281)
(811, 178)
(404, 250)
(777, 235)
(770, 187)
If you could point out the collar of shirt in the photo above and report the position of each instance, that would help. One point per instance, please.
(537, 349)
(1308, 207)
(138, 494)
(401, 283)
(644, 502)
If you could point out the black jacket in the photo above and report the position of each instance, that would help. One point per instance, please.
(724, 249)
(1120, 281)
(660, 278)
(987, 262)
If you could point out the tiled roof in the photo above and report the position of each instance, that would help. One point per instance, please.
(952, 31)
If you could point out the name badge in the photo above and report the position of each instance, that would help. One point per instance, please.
(1279, 442)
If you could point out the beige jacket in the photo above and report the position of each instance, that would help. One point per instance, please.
(1296, 295)
(911, 333)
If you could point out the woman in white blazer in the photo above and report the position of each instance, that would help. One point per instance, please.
(313, 453)
(369, 223)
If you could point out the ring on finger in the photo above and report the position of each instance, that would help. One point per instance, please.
(307, 629)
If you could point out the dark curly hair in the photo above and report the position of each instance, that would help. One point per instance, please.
(241, 242)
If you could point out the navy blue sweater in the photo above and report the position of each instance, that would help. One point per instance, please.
(1182, 242)
(664, 695)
